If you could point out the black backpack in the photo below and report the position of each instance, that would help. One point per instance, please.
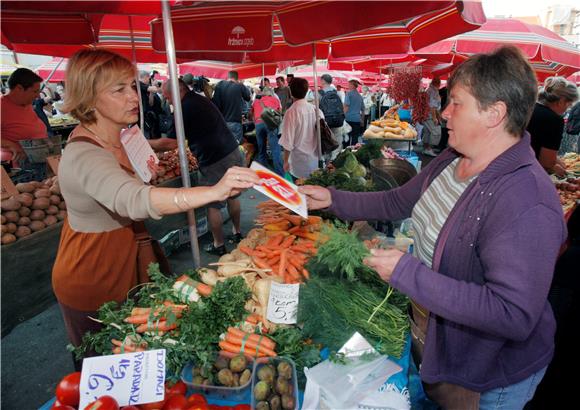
(332, 108)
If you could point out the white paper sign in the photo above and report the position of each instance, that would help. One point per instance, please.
(139, 152)
(283, 303)
(131, 378)
(284, 192)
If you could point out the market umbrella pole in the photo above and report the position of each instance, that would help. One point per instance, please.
(320, 164)
(53, 70)
(134, 57)
(178, 121)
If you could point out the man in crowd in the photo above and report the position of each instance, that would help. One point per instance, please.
(229, 95)
(354, 112)
(432, 125)
(332, 108)
(368, 102)
(151, 104)
(283, 93)
(211, 141)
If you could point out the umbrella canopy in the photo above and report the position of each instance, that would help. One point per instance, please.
(218, 69)
(338, 77)
(372, 63)
(549, 53)
(575, 78)
(279, 30)
(404, 36)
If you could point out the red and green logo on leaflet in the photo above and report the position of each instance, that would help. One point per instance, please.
(279, 188)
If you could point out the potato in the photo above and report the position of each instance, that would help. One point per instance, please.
(61, 215)
(62, 205)
(12, 216)
(4, 229)
(42, 193)
(25, 187)
(3, 219)
(8, 238)
(41, 203)
(35, 184)
(11, 227)
(25, 199)
(10, 204)
(52, 210)
(23, 231)
(37, 226)
(24, 220)
(37, 215)
(50, 220)
(24, 211)
(55, 199)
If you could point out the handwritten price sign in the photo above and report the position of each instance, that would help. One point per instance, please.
(283, 303)
(131, 378)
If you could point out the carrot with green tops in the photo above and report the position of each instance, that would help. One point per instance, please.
(247, 343)
(295, 220)
(306, 274)
(246, 351)
(283, 262)
(269, 343)
(156, 326)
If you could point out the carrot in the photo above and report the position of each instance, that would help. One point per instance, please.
(314, 220)
(282, 226)
(306, 274)
(295, 263)
(275, 240)
(247, 343)
(233, 348)
(253, 318)
(283, 262)
(156, 326)
(294, 229)
(295, 220)
(287, 241)
(261, 263)
(203, 289)
(246, 249)
(293, 273)
(253, 336)
(273, 260)
(140, 311)
(173, 305)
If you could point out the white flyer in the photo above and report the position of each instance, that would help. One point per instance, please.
(139, 152)
(283, 303)
(284, 192)
(130, 378)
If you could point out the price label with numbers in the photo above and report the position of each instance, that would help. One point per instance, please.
(283, 303)
(131, 378)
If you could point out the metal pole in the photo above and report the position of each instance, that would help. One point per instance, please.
(134, 55)
(53, 70)
(178, 121)
(15, 57)
(320, 165)
(263, 73)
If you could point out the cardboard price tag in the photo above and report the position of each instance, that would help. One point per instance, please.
(284, 192)
(130, 378)
(283, 303)
(8, 187)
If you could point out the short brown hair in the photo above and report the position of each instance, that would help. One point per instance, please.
(299, 87)
(504, 75)
(23, 77)
(87, 73)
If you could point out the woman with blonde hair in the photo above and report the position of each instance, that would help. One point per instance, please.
(547, 123)
(97, 256)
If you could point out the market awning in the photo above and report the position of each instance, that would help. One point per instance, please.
(219, 69)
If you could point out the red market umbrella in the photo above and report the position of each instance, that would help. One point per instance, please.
(404, 36)
(372, 63)
(219, 69)
(548, 53)
(575, 78)
(237, 27)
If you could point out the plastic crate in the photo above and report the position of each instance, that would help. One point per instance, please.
(239, 394)
(275, 360)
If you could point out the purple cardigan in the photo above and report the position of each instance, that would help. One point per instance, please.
(490, 323)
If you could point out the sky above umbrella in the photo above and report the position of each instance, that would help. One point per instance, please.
(520, 7)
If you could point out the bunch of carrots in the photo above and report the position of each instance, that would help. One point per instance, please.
(277, 219)
(249, 344)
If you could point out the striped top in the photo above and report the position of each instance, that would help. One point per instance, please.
(432, 210)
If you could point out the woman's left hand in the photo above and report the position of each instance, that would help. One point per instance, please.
(384, 262)
(234, 181)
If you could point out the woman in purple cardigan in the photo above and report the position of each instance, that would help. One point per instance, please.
(488, 228)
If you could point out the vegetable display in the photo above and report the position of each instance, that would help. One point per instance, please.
(169, 167)
(37, 206)
(390, 127)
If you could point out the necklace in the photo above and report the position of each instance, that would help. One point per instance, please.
(99, 138)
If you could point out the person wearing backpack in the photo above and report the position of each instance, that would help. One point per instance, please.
(265, 135)
(331, 106)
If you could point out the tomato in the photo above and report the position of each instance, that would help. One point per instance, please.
(175, 388)
(197, 401)
(67, 391)
(103, 403)
(176, 402)
(158, 405)
(130, 408)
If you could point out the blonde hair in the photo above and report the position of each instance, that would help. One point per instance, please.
(87, 73)
(556, 88)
